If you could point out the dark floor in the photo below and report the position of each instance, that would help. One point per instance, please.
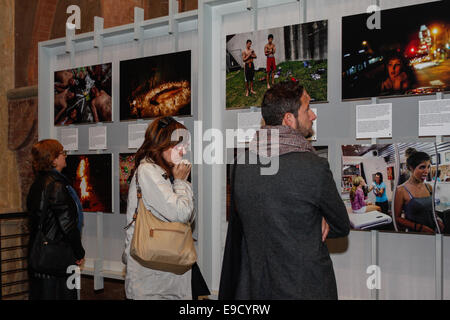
(113, 289)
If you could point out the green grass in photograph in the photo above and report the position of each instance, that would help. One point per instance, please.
(235, 83)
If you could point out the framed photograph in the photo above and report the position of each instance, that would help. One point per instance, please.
(408, 54)
(447, 157)
(156, 86)
(257, 60)
(361, 164)
(126, 166)
(91, 177)
(83, 95)
(434, 157)
(372, 209)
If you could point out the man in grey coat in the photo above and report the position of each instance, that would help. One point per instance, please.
(275, 247)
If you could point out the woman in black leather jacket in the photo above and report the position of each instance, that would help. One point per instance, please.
(51, 190)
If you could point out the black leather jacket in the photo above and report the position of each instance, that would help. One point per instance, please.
(62, 216)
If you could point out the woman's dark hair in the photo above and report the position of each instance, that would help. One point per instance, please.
(409, 152)
(43, 153)
(416, 158)
(282, 98)
(380, 175)
(158, 138)
(270, 36)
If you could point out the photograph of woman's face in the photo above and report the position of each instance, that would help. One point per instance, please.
(394, 68)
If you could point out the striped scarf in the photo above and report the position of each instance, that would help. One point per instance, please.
(266, 143)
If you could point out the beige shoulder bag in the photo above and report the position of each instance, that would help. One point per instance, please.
(160, 245)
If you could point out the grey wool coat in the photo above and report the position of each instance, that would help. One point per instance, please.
(274, 247)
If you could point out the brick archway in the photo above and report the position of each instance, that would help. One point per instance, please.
(42, 28)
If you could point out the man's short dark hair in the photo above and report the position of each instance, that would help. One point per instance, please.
(248, 41)
(282, 98)
(270, 36)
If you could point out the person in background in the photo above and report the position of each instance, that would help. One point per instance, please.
(357, 197)
(52, 195)
(379, 189)
(271, 67)
(249, 67)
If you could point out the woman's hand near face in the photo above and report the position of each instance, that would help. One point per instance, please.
(182, 170)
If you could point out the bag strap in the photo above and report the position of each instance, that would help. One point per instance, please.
(139, 197)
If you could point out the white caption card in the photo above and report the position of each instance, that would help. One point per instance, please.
(97, 138)
(374, 121)
(69, 139)
(136, 135)
(434, 117)
(248, 124)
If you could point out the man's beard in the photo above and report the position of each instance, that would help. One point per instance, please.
(307, 133)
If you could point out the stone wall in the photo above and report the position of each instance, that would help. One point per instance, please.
(10, 200)
(23, 133)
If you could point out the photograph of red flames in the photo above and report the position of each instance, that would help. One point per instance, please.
(126, 165)
(91, 177)
(155, 86)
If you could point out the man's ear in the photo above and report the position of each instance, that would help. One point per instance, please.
(288, 119)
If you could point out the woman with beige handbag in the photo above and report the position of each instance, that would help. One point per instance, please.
(158, 162)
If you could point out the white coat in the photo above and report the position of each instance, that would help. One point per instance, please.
(169, 203)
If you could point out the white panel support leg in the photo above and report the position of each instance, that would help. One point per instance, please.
(138, 20)
(98, 263)
(439, 267)
(374, 293)
(98, 38)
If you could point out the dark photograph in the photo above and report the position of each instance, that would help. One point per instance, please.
(156, 86)
(126, 166)
(90, 176)
(407, 55)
